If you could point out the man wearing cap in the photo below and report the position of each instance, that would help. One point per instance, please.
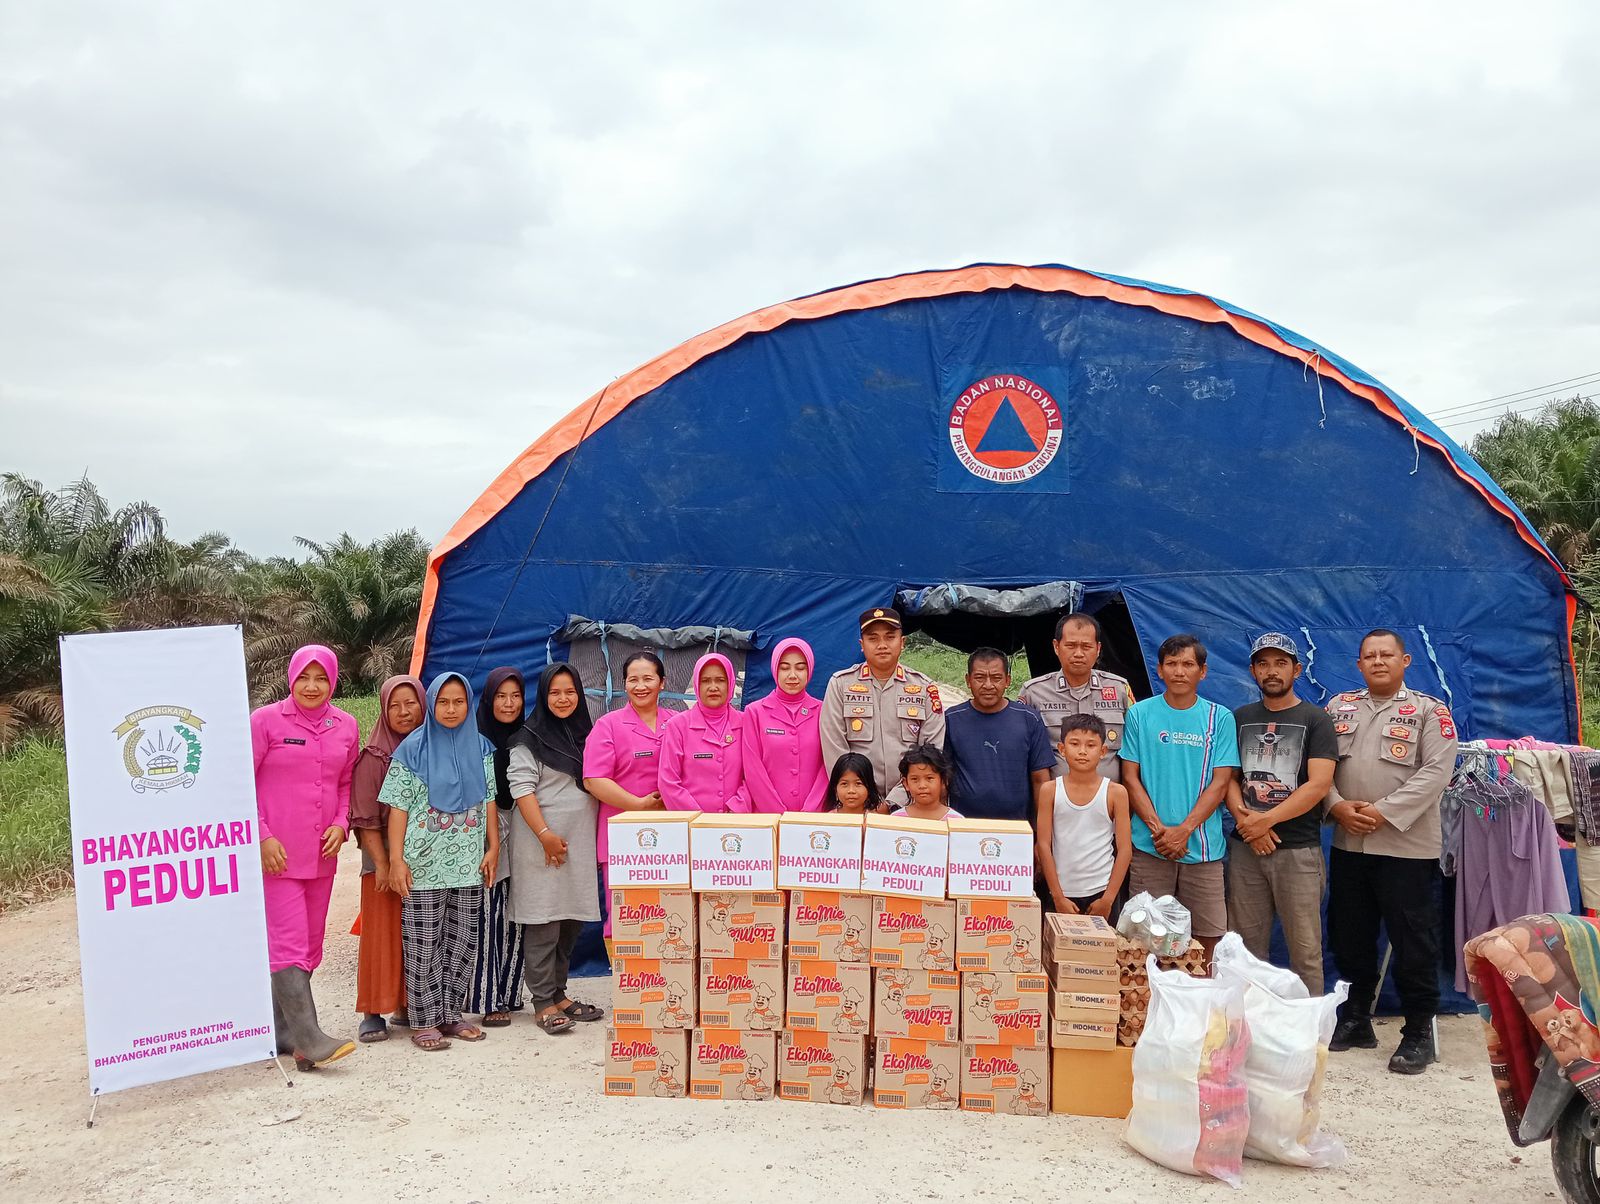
(1397, 750)
(880, 708)
(1081, 689)
(1287, 752)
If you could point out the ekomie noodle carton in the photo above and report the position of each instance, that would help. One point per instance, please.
(822, 1068)
(915, 933)
(830, 924)
(909, 1073)
(1011, 1079)
(646, 1061)
(741, 993)
(917, 1003)
(649, 922)
(649, 993)
(730, 1063)
(999, 934)
(748, 925)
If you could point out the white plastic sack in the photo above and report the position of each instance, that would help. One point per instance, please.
(1160, 925)
(1289, 1035)
(1190, 1107)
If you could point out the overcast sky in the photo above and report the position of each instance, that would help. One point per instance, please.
(296, 268)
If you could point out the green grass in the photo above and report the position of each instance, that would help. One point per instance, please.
(35, 827)
(944, 663)
(35, 836)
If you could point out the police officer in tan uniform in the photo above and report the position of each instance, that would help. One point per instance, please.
(1081, 689)
(1397, 750)
(880, 708)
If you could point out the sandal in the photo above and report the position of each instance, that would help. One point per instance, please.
(583, 1011)
(553, 1022)
(461, 1030)
(496, 1019)
(373, 1028)
(429, 1039)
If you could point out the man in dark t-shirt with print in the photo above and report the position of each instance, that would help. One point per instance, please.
(1287, 754)
(1001, 754)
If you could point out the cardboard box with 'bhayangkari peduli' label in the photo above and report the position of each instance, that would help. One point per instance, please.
(998, 934)
(905, 857)
(648, 848)
(819, 851)
(743, 924)
(733, 852)
(990, 859)
(646, 1061)
(822, 1068)
(651, 923)
(830, 924)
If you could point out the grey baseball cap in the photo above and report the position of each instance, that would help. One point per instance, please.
(1274, 641)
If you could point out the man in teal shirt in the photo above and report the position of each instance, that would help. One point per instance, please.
(1179, 752)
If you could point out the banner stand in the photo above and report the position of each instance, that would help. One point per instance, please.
(277, 1061)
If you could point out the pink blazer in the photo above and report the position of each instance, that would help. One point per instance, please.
(700, 770)
(783, 767)
(303, 769)
(622, 747)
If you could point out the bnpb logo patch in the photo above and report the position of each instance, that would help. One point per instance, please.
(1005, 428)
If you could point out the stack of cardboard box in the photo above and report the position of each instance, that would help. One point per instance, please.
(822, 1051)
(653, 932)
(733, 860)
(1090, 1074)
(1005, 1055)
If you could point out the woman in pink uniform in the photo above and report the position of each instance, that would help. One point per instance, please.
(783, 768)
(702, 758)
(622, 756)
(305, 751)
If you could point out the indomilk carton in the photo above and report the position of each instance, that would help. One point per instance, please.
(819, 850)
(646, 1061)
(729, 1063)
(651, 923)
(1002, 1008)
(822, 1068)
(737, 993)
(998, 934)
(917, 1003)
(990, 859)
(1085, 1019)
(746, 925)
(1005, 1078)
(648, 993)
(902, 856)
(733, 852)
(913, 932)
(1079, 938)
(830, 924)
(648, 848)
(916, 1074)
(830, 996)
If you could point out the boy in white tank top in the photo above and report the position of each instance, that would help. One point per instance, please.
(1083, 837)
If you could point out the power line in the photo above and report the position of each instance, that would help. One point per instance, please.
(1583, 378)
(1464, 422)
(1533, 399)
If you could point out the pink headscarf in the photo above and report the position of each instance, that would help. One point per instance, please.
(791, 704)
(320, 654)
(715, 720)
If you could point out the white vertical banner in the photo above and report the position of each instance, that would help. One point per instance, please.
(171, 924)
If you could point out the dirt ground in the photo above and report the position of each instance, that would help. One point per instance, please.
(521, 1114)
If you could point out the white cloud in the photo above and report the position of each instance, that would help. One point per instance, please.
(302, 268)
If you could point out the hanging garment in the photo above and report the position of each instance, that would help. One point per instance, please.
(1509, 862)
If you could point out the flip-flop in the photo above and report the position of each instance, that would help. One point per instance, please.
(583, 1011)
(462, 1031)
(373, 1029)
(496, 1019)
(553, 1023)
(430, 1040)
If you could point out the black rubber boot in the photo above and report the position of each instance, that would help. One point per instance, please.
(312, 1047)
(1414, 1054)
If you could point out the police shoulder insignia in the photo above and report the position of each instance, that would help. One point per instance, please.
(933, 699)
(1447, 726)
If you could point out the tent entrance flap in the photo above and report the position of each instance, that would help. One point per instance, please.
(974, 616)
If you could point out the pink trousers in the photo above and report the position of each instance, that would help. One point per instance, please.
(297, 919)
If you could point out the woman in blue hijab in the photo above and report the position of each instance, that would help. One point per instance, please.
(439, 788)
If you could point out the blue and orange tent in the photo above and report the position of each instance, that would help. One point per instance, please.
(986, 445)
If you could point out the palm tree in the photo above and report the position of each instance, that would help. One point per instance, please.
(1549, 464)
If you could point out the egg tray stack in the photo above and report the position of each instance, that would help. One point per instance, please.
(1135, 983)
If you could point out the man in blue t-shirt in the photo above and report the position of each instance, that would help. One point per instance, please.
(1179, 752)
(1001, 754)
